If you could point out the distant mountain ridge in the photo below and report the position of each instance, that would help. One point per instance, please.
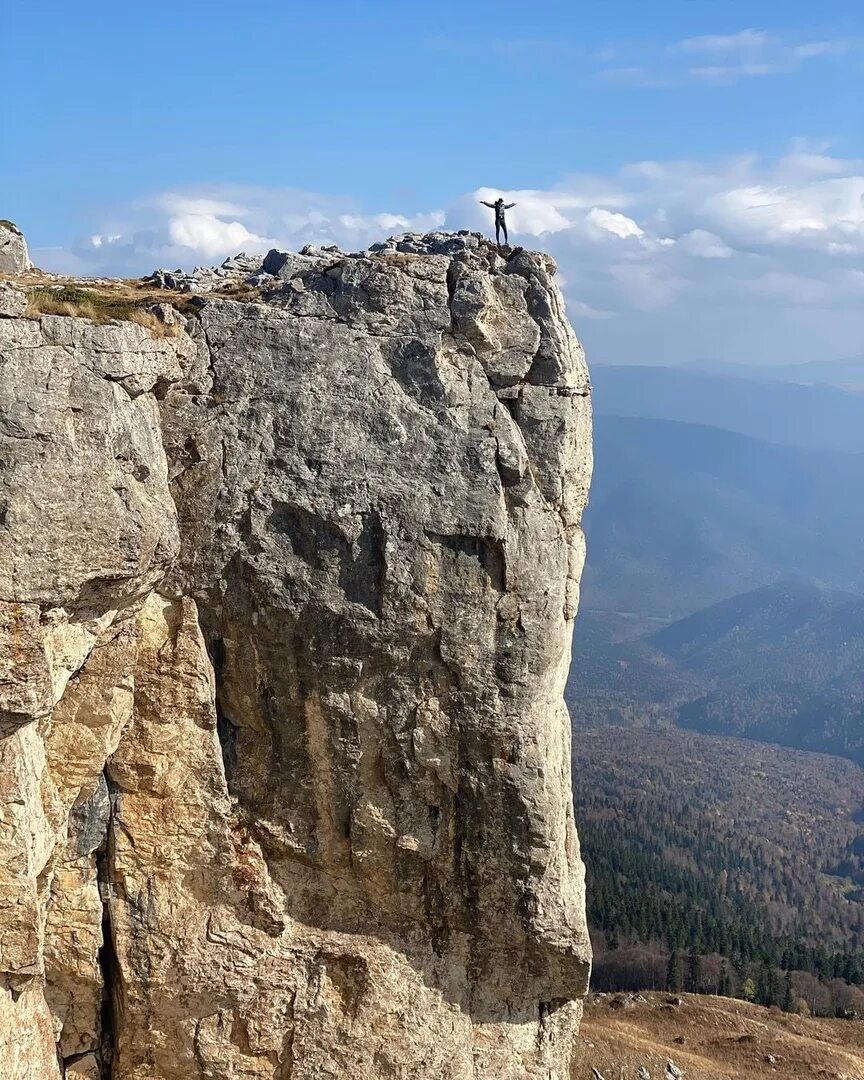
(683, 515)
(842, 374)
(816, 417)
(782, 664)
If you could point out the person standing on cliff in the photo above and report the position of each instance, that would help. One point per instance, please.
(499, 206)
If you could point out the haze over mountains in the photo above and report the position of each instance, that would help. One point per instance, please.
(782, 664)
(815, 416)
(843, 374)
(684, 515)
(706, 486)
(725, 576)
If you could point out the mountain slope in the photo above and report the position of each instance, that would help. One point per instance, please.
(683, 515)
(742, 851)
(714, 1038)
(781, 664)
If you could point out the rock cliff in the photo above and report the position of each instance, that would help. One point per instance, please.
(13, 249)
(287, 596)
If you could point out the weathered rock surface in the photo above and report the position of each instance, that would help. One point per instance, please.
(13, 301)
(286, 605)
(13, 249)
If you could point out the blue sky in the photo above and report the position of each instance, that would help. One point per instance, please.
(696, 167)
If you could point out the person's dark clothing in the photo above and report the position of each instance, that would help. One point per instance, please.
(499, 206)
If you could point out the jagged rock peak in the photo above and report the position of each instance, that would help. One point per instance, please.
(13, 249)
(277, 265)
(287, 599)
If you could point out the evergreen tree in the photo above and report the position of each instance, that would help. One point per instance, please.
(694, 970)
(675, 971)
(638, 895)
(788, 994)
(724, 982)
(773, 986)
(748, 990)
(766, 984)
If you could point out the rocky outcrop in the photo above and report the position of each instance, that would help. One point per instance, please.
(13, 249)
(286, 606)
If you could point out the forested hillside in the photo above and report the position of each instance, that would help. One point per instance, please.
(713, 861)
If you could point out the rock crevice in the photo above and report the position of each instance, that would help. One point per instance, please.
(289, 599)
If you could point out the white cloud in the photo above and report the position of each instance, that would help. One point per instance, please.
(704, 245)
(743, 41)
(717, 58)
(211, 237)
(810, 211)
(183, 228)
(617, 224)
(579, 309)
(97, 241)
(662, 260)
(176, 203)
(719, 73)
(822, 48)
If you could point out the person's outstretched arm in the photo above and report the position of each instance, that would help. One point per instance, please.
(491, 205)
(507, 206)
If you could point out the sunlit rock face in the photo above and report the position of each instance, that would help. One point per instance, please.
(286, 608)
(13, 249)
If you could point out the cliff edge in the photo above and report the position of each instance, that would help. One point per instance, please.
(288, 583)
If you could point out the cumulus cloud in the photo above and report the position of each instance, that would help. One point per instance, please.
(211, 236)
(617, 224)
(661, 261)
(185, 228)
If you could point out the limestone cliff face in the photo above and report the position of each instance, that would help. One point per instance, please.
(13, 249)
(285, 619)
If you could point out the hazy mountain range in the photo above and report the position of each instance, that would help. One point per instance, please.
(724, 594)
(683, 515)
(782, 664)
(725, 572)
(817, 417)
(844, 374)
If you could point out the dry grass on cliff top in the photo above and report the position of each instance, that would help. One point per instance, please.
(97, 307)
(105, 300)
(717, 1039)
